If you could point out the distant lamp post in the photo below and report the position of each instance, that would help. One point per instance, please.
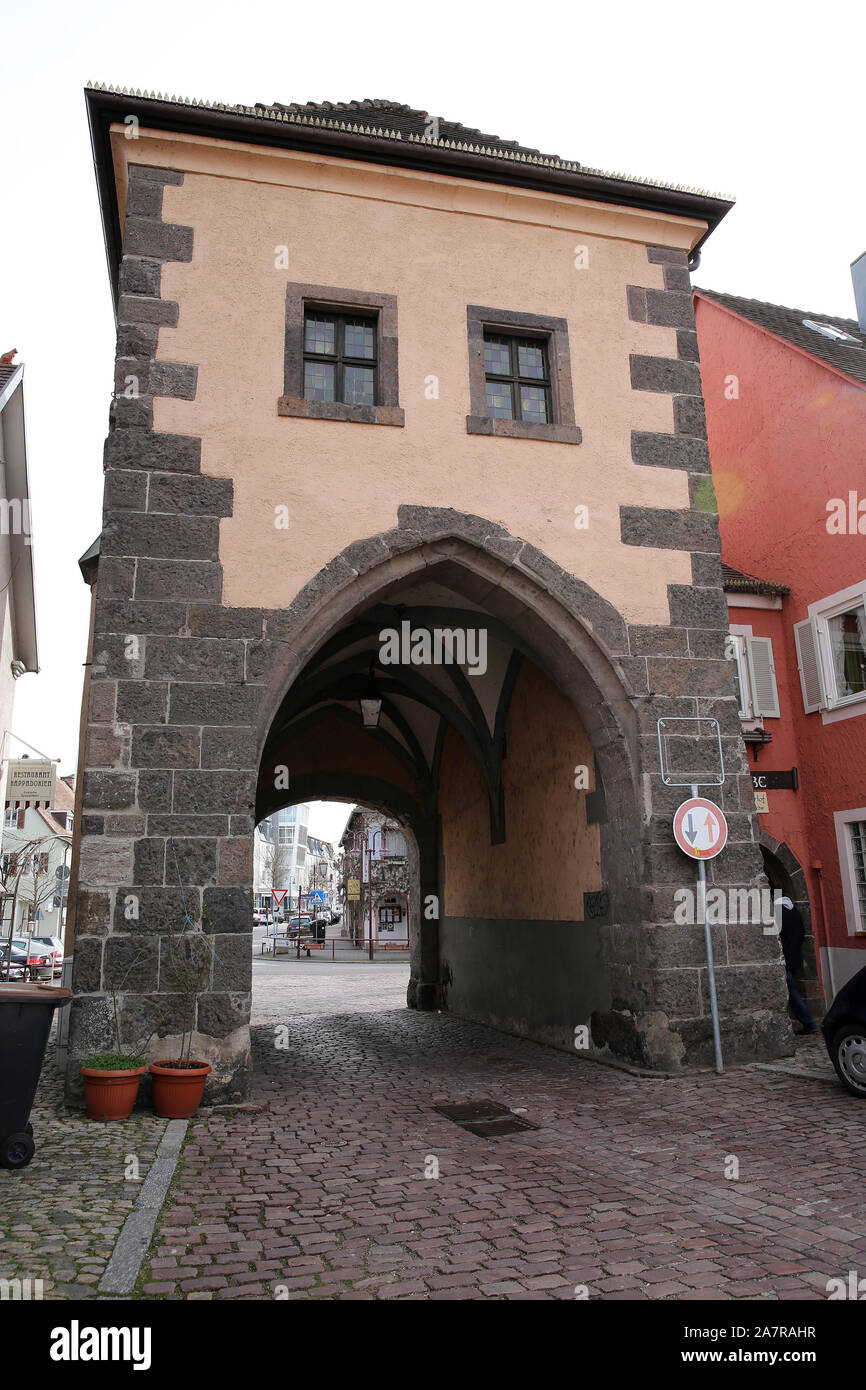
(371, 703)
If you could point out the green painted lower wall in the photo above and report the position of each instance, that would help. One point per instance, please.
(535, 979)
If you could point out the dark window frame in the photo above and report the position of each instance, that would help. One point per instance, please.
(554, 331)
(300, 299)
(513, 377)
(340, 359)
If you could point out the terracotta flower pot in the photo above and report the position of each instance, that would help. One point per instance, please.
(110, 1095)
(178, 1089)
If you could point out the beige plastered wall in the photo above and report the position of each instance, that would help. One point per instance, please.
(438, 244)
(551, 857)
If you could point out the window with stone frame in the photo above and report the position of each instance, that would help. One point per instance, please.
(520, 376)
(517, 378)
(340, 358)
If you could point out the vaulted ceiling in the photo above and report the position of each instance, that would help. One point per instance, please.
(421, 698)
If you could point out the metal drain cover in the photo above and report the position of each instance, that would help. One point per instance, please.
(485, 1118)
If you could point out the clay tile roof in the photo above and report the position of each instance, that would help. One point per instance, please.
(64, 796)
(405, 120)
(788, 324)
(380, 118)
(54, 826)
(734, 581)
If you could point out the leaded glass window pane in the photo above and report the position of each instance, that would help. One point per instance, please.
(319, 381)
(530, 360)
(517, 378)
(497, 356)
(533, 404)
(499, 400)
(360, 339)
(321, 336)
(359, 387)
(334, 346)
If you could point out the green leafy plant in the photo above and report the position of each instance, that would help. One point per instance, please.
(188, 956)
(114, 1061)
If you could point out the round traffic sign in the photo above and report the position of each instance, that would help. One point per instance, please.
(700, 828)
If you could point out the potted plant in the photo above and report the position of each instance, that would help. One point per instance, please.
(112, 1079)
(178, 1083)
(111, 1082)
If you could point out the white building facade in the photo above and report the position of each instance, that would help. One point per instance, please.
(280, 856)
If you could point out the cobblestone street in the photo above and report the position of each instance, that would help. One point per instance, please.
(321, 1191)
(319, 1188)
(61, 1216)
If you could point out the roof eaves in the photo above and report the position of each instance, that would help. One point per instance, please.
(735, 581)
(378, 143)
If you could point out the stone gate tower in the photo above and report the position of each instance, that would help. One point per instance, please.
(380, 377)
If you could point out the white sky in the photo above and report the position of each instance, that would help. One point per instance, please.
(763, 100)
(328, 820)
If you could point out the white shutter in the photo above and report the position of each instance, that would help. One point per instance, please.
(762, 676)
(809, 665)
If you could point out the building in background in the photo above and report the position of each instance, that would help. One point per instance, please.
(18, 651)
(376, 858)
(34, 864)
(280, 856)
(785, 393)
(321, 883)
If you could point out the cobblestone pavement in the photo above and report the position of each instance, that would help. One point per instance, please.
(60, 1217)
(321, 1191)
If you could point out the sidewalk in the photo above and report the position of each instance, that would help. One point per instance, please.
(60, 1217)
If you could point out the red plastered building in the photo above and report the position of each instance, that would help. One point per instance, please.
(785, 394)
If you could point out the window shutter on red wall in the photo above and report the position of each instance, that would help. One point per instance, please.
(809, 665)
(762, 676)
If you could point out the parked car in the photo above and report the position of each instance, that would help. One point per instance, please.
(844, 1029)
(35, 962)
(15, 969)
(53, 944)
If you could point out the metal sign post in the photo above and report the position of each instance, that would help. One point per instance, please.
(667, 729)
(708, 945)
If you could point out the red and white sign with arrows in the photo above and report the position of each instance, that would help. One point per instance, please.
(700, 828)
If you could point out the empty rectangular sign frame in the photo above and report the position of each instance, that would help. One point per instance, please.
(690, 752)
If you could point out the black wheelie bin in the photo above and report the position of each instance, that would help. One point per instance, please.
(26, 1012)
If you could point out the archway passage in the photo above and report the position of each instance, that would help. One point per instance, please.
(456, 678)
(503, 778)
(785, 875)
